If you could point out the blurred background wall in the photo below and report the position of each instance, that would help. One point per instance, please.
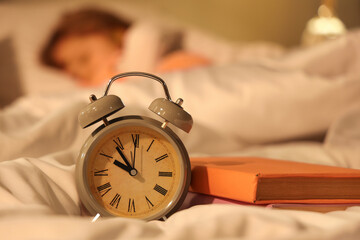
(280, 21)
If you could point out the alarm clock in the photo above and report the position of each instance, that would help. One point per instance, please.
(133, 166)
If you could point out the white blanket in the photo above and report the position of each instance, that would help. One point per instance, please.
(247, 108)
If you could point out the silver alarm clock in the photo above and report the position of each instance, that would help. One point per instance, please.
(133, 166)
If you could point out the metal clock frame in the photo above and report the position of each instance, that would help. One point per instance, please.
(134, 120)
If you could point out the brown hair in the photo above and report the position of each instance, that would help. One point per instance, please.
(82, 22)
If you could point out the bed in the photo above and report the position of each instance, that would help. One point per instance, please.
(40, 140)
(302, 105)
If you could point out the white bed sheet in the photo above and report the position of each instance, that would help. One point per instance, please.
(239, 109)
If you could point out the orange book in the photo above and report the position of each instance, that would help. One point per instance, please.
(264, 181)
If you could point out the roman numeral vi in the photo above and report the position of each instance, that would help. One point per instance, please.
(131, 207)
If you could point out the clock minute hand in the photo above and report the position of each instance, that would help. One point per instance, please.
(134, 156)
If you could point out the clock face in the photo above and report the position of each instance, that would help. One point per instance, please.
(135, 171)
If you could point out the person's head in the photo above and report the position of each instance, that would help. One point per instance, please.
(86, 44)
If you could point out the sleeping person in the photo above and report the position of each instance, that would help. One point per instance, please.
(88, 44)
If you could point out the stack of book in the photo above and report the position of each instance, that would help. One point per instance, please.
(276, 183)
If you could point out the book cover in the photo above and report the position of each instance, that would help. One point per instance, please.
(265, 181)
(321, 208)
(194, 199)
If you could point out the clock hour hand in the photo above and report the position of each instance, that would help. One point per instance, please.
(124, 158)
(132, 171)
(121, 165)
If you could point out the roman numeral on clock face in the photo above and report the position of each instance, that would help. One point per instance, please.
(161, 158)
(115, 201)
(118, 143)
(135, 139)
(105, 155)
(104, 189)
(160, 189)
(149, 203)
(150, 145)
(165, 174)
(101, 173)
(131, 206)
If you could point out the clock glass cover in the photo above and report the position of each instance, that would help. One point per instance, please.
(135, 169)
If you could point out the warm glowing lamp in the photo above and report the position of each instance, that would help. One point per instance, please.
(323, 27)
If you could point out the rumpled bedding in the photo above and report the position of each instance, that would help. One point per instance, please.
(276, 108)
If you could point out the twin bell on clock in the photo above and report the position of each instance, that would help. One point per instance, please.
(133, 166)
